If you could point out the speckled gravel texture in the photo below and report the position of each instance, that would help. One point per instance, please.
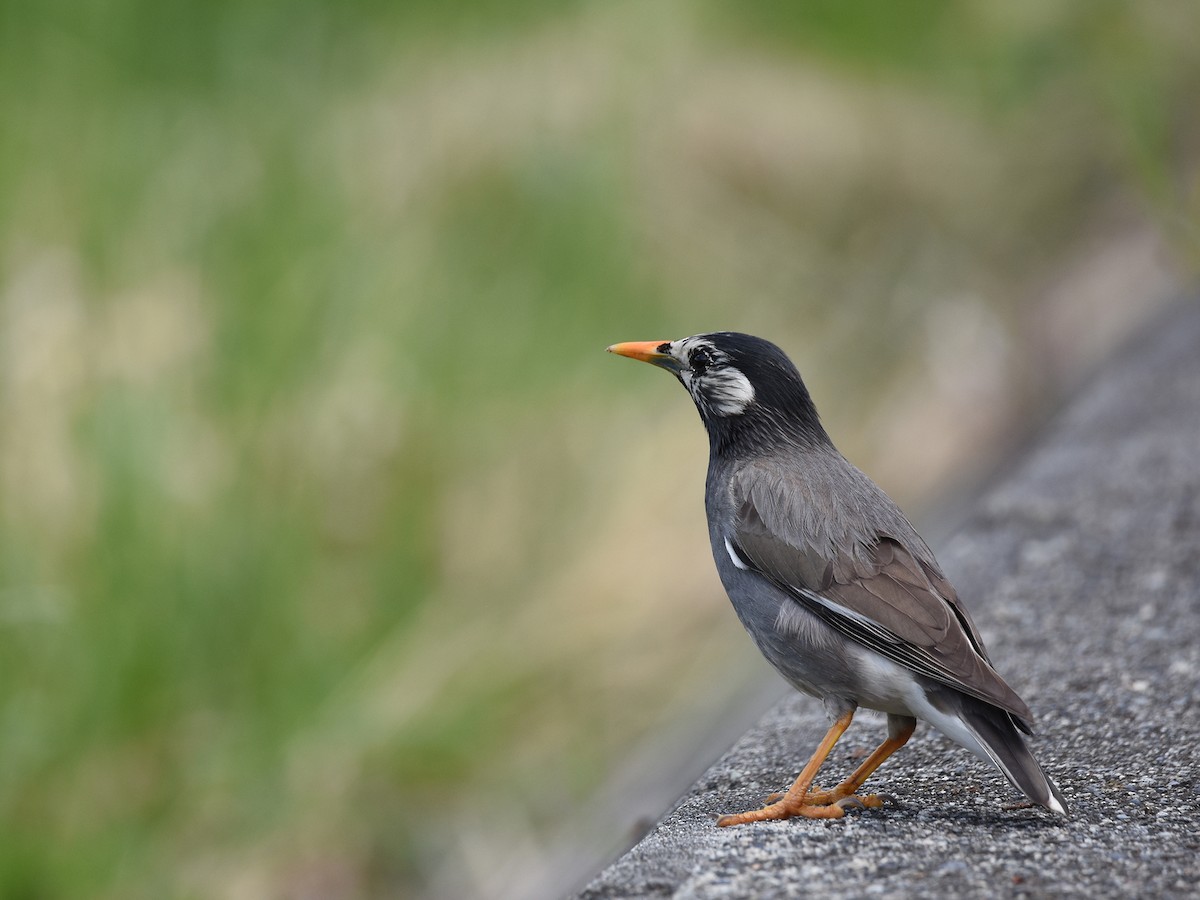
(1082, 569)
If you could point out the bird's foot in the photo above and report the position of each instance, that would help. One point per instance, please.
(785, 808)
(848, 799)
(817, 804)
(815, 796)
(845, 795)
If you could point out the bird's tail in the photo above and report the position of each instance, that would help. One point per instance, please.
(1005, 746)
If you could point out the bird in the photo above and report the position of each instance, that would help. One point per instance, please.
(832, 582)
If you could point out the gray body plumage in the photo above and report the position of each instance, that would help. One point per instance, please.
(802, 545)
(806, 522)
(827, 575)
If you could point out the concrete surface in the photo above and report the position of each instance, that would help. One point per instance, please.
(1082, 568)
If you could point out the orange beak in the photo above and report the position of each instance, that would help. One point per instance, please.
(646, 351)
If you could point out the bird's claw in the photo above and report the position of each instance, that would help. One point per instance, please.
(863, 801)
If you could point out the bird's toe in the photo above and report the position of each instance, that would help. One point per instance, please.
(786, 808)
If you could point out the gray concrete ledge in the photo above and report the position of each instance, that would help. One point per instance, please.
(1082, 569)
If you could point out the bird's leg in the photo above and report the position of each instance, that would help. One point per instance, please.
(797, 802)
(900, 729)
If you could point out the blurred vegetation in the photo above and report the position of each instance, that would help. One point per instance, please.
(337, 558)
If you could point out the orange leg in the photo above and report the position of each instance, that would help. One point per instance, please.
(848, 788)
(801, 801)
(795, 801)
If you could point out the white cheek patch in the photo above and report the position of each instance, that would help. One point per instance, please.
(728, 391)
(719, 389)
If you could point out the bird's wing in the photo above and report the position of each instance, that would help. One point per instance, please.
(875, 592)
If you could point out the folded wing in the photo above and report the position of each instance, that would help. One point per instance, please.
(866, 583)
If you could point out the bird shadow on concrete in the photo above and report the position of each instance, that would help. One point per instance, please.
(956, 816)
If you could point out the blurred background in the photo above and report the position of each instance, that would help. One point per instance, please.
(337, 558)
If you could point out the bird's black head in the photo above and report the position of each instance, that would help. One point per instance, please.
(749, 394)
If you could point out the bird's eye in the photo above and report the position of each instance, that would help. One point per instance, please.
(699, 360)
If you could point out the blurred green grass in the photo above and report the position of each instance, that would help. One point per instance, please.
(317, 494)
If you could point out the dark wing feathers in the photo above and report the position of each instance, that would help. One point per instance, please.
(869, 586)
